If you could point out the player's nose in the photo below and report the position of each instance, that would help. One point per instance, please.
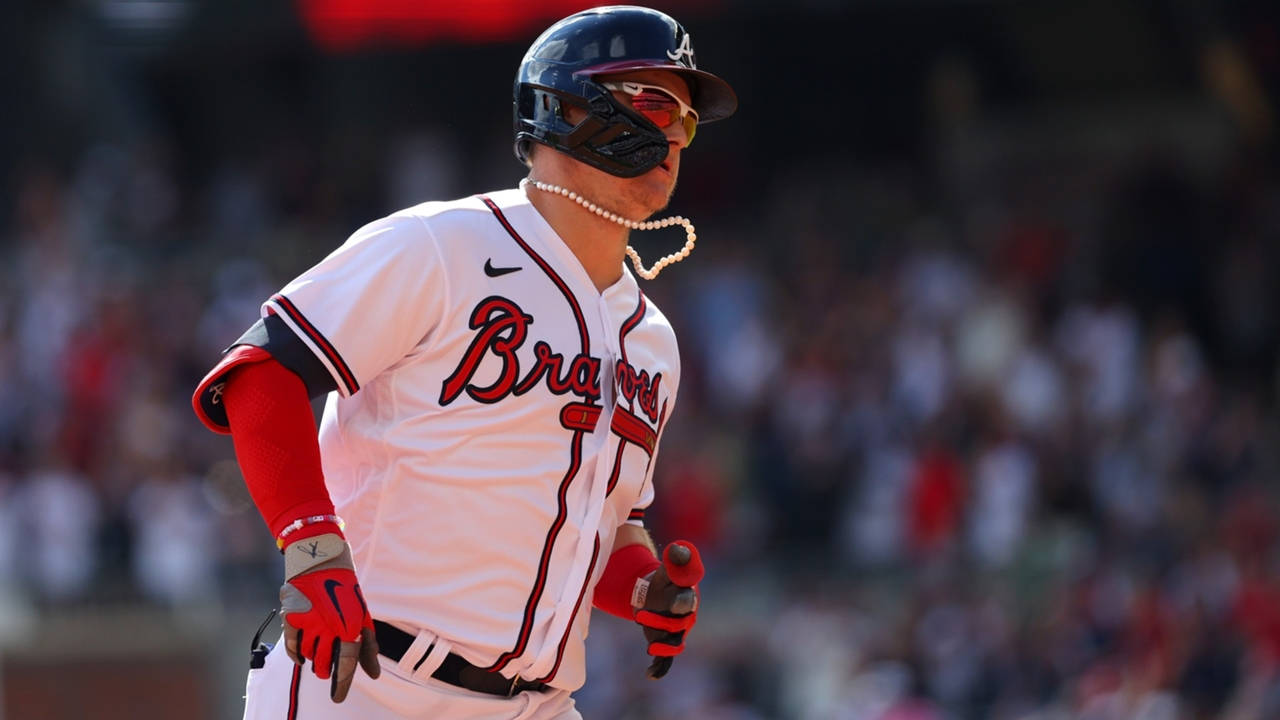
(676, 136)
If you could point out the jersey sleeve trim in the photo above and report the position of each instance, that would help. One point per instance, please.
(207, 400)
(315, 340)
(272, 334)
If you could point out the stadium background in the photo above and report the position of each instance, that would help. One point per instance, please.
(980, 417)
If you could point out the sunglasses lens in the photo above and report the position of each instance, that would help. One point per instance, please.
(661, 118)
(662, 110)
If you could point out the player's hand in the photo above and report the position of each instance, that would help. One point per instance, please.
(670, 605)
(325, 616)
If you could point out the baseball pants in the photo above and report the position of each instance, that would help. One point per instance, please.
(276, 692)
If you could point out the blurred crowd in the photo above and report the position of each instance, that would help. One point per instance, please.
(979, 440)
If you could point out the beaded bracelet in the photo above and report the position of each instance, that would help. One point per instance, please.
(300, 523)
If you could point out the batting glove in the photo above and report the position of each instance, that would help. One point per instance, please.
(666, 604)
(325, 616)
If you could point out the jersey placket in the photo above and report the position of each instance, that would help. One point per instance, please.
(587, 553)
(546, 658)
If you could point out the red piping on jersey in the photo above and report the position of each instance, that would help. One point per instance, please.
(347, 377)
(629, 325)
(595, 555)
(617, 461)
(616, 425)
(631, 429)
(546, 268)
(293, 692)
(575, 452)
(617, 467)
(531, 606)
(662, 417)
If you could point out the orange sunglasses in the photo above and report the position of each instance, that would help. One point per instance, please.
(658, 105)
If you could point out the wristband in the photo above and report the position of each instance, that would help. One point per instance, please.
(621, 583)
(300, 523)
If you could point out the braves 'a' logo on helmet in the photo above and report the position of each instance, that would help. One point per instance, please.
(684, 53)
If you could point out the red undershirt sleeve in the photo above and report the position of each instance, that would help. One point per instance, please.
(274, 433)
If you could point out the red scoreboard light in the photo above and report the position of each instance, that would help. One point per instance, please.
(344, 25)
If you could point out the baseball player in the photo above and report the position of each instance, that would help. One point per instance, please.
(497, 385)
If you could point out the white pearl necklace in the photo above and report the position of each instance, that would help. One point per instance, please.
(652, 272)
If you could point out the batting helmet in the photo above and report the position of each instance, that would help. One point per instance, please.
(562, 66)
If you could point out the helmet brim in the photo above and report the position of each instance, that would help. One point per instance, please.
(713, 98)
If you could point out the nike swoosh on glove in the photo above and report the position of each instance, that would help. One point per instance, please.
(325, 616)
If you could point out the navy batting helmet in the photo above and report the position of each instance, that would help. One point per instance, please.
(562, 66)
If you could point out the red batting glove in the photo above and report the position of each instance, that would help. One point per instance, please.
(325, 616)
(666, 603)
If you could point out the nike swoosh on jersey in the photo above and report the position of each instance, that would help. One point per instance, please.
(492, 271)
(329, 586)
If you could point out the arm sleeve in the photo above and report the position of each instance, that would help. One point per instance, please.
(275, 439)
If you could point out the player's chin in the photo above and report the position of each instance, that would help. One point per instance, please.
(656, 202)
(662, 182)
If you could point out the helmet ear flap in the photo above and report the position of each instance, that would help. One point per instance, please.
(537, 106)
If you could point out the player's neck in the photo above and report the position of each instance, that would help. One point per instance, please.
(599, 244)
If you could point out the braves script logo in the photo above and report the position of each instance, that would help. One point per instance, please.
(639, 389)
(501, 329)
(684, 51)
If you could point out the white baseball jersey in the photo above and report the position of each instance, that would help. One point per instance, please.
(496, 420)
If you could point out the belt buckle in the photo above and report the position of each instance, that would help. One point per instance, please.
(511, 691)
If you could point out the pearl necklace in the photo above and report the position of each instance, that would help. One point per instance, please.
(652, 272)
